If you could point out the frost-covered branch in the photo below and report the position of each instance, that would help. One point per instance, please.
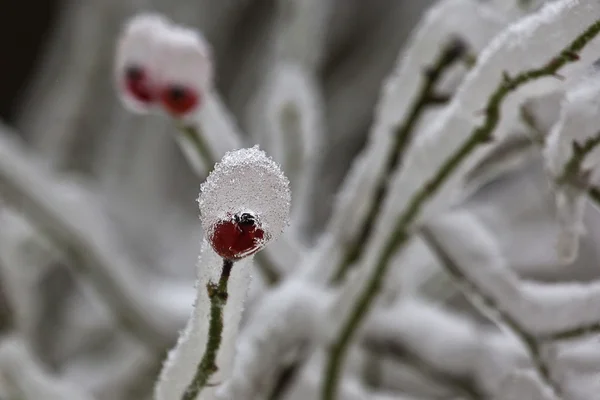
(535, 312)
(430, 186)
(454, 51)
(217, 293)
(480, 296)
(27, 379)
(572, 156)
(474, 24)
(87, 243)
(266, 344)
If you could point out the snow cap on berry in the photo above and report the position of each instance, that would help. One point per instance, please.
(136, 60)
(244, 183)
(185, 71)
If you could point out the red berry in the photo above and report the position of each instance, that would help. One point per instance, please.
(136, 83)
(178, 99)
(237, 237)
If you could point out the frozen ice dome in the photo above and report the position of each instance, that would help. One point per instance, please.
(246, 182)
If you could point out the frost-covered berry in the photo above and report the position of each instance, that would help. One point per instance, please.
(238, 236)
(136, 61)
(244, 203)
(162, 65)
(184, 72)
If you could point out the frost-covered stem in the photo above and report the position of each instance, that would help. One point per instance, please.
(194, 136)
(451, 53)
(31, 190)
(530, 342)
(217, 293)
(572, 170)
(481, 135)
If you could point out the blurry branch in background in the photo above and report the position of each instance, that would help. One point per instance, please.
(454, 51)
(84, 242)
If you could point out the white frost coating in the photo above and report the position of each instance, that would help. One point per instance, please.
(217, 129)
(37, 192)
(516, 9)
(578, 124)
(246, 180)
(27, 380)
(539, 308)
(521, 385)
(447, 341)
(522, 46)
(181, 363)
(476, 24)
(184, 57)
(288, 116)
(576, 365)
(24, 257)
(302, 31)
(138, 45)
(285, 319)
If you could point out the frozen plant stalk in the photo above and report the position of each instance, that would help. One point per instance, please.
(572, 155)
(244, 203)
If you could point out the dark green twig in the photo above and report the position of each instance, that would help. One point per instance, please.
(217, 293)
(575, 333)
(401, 233)
(572, 173)
(579, 153)
(530, 341)
(449, 55)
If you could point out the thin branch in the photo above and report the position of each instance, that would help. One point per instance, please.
(572, 168)
(481, 135)
(450, 54)
(217, 293)
(530, 341)
(572, 173)
(193, 135)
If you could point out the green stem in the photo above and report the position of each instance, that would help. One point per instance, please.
(217, 293)
(449, 55)
(195, 137)
(401, 234)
